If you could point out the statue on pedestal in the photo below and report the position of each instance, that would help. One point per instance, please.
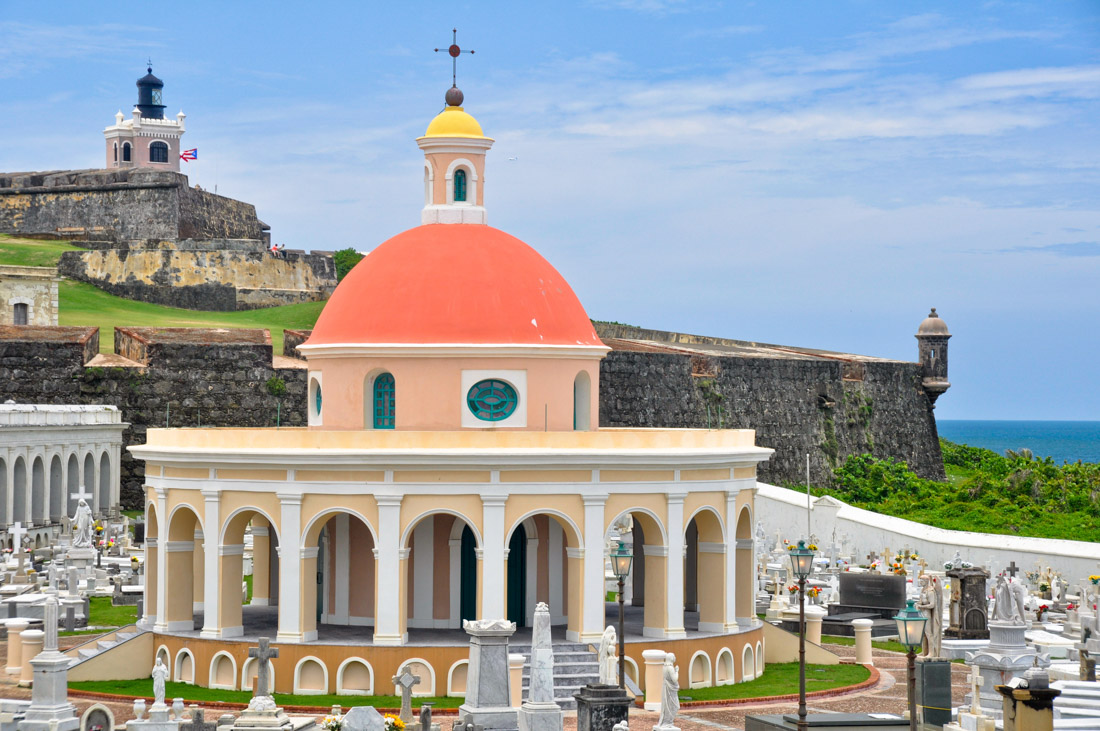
(82, 521)
(609, 663)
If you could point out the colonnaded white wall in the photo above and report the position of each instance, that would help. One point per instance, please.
(783, 510)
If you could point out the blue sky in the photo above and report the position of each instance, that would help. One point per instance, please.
(812, 174)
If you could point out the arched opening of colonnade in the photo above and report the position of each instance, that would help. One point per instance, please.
(339, 576)
(646, 600)
(544, 565)
(57, 490)
(38, 492)
(183, 570)
(705, 572)
(247, 602)
(441, 571)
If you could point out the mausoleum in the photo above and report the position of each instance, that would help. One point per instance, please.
(452, 468)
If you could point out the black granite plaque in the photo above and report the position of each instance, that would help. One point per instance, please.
(934, 691)
(884, 591)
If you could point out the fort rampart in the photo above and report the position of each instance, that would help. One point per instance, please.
(825, 407)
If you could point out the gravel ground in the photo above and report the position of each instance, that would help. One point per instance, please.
(887, 696)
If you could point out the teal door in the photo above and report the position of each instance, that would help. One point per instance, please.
(467, 582)
(517, 577)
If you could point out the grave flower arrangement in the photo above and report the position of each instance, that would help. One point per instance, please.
(332, 723)
(898, 567)
(948, 565)
(393, 723)
(1040, 612)
(813, 591)
(1094, 579)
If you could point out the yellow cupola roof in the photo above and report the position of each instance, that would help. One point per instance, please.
(454, 122)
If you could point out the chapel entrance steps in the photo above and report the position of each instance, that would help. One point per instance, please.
(575, 666)
(98, 645)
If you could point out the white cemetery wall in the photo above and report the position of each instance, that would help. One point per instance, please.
(784, 510)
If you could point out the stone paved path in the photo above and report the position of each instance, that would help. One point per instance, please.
(887, 696)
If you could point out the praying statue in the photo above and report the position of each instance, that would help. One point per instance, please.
(670, 698)
(931, 605)
(609, 663)
(160, 674)
(1004, 603)
(83, 523)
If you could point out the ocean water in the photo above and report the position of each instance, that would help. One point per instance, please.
(1065, 441)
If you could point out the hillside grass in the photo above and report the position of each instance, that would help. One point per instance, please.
(1011, 494)
(15, 251)
(83, 304)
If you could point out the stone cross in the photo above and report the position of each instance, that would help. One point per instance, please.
(74, 581)
(198, 721)
(17, 531)
(1012, 569)
(923, 565)
(405, 681)
(975, 679)
(871, 557)
(263, 653)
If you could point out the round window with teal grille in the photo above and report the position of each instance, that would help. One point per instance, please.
(492, 400)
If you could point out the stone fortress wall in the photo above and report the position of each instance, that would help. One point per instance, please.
(807, 402)
(800, 401)
(152, 237)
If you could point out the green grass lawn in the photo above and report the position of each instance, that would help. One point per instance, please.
(32, 253)
(194, 693)
(83, 305)
(890, 645)
(101, 613)
(782, 679)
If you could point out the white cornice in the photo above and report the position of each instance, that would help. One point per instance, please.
(454, 144)
(453, 350)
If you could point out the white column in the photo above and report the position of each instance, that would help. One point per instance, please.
(387, 613)
(593, 594)
(455, 578)
(423, 571)
(558, 610)
(531, 597)
(341, 572)
(675, 591)
(161, 622)
(290, 575)
(732, 545)
(211, 590)
(493, 557)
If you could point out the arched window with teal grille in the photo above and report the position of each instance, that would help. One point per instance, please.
(460, 186)
(384, 401)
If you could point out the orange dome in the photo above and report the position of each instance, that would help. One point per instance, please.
(454, 284)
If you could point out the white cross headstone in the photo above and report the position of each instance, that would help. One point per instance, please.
(405, 681)
(17, 532)
(82, 493)
(975, 700)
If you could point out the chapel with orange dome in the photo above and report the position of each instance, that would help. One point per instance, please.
(452, 468)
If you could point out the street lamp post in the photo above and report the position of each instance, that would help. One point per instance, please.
(620, 565)
(802, 561)
(911, 634)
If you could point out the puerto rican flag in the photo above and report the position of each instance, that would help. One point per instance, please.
(192, 154)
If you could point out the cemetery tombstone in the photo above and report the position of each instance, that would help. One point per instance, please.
(404, 681)
(968, 617)
(97, 717)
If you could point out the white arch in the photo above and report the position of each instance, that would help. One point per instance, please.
(545, 511)
(633, 665)
(748, 666)
(298, 690)
(229, 519)
(152, 141)
(645, 511)
(714, 511)
(177, 670)
(424, 690)
(708, 674)
(439, 511)
(726, 654)
(340, 690)
(451, 692)
(429, 184)
(214, 671)
(471, 182)
(328, 513)
(166, 655)
(759, 660)
(744, 509)
(176, 509)
(246, 681)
